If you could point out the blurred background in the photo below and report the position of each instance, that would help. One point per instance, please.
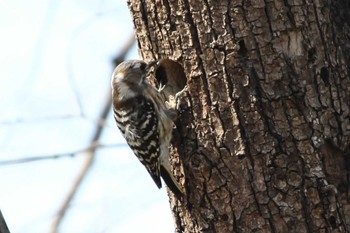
(64, 166)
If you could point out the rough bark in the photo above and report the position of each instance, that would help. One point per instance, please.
(262, 137)
(3, 225)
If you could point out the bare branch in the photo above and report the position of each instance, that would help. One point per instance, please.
(90, 155)
(28, 159)
(100, 122)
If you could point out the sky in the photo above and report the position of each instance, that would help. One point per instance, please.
(55, 69)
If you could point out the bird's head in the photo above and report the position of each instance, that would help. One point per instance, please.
(131, 72)
(128, 77)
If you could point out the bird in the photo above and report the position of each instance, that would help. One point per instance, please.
(144, 120)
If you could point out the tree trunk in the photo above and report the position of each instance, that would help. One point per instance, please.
(3, 225)
(262, 137)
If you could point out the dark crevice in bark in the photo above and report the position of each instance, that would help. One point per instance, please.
(256, 45)
(157, 15)
(331, 79)
(262, 109)
(229, 27)
(228, 77)
(305, 204)
(196, 44)
(337, 115)
(215, 214)
(324, 200)
(169, 16)
(268, 18)
(295, 85)
(225, 164)
(332, 222)
(251, 182)
(210, 18)
(270, 219)
(242, 51)
(312, 55)
(317, 89)
(241, 127)
(324, 74)
(289, 13)
(234, 223)
(304, 199)
(144, 14)
(320, 32)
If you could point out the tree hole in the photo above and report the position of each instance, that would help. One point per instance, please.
(170, 75)
(325, 75)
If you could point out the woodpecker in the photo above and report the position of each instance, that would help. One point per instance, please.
(144, 120)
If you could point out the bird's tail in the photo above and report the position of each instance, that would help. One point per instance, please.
(170, 181)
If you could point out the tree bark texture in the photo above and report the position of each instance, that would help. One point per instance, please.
(3, 225)
(262, 139)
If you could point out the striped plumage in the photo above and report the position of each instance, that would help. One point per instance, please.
(143, 119)
(138, 123)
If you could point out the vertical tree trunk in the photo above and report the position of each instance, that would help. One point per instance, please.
(3, 225)
(263, 132)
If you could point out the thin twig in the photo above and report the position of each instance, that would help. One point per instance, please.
(90, 154)
(57, 156)
(101, 122)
